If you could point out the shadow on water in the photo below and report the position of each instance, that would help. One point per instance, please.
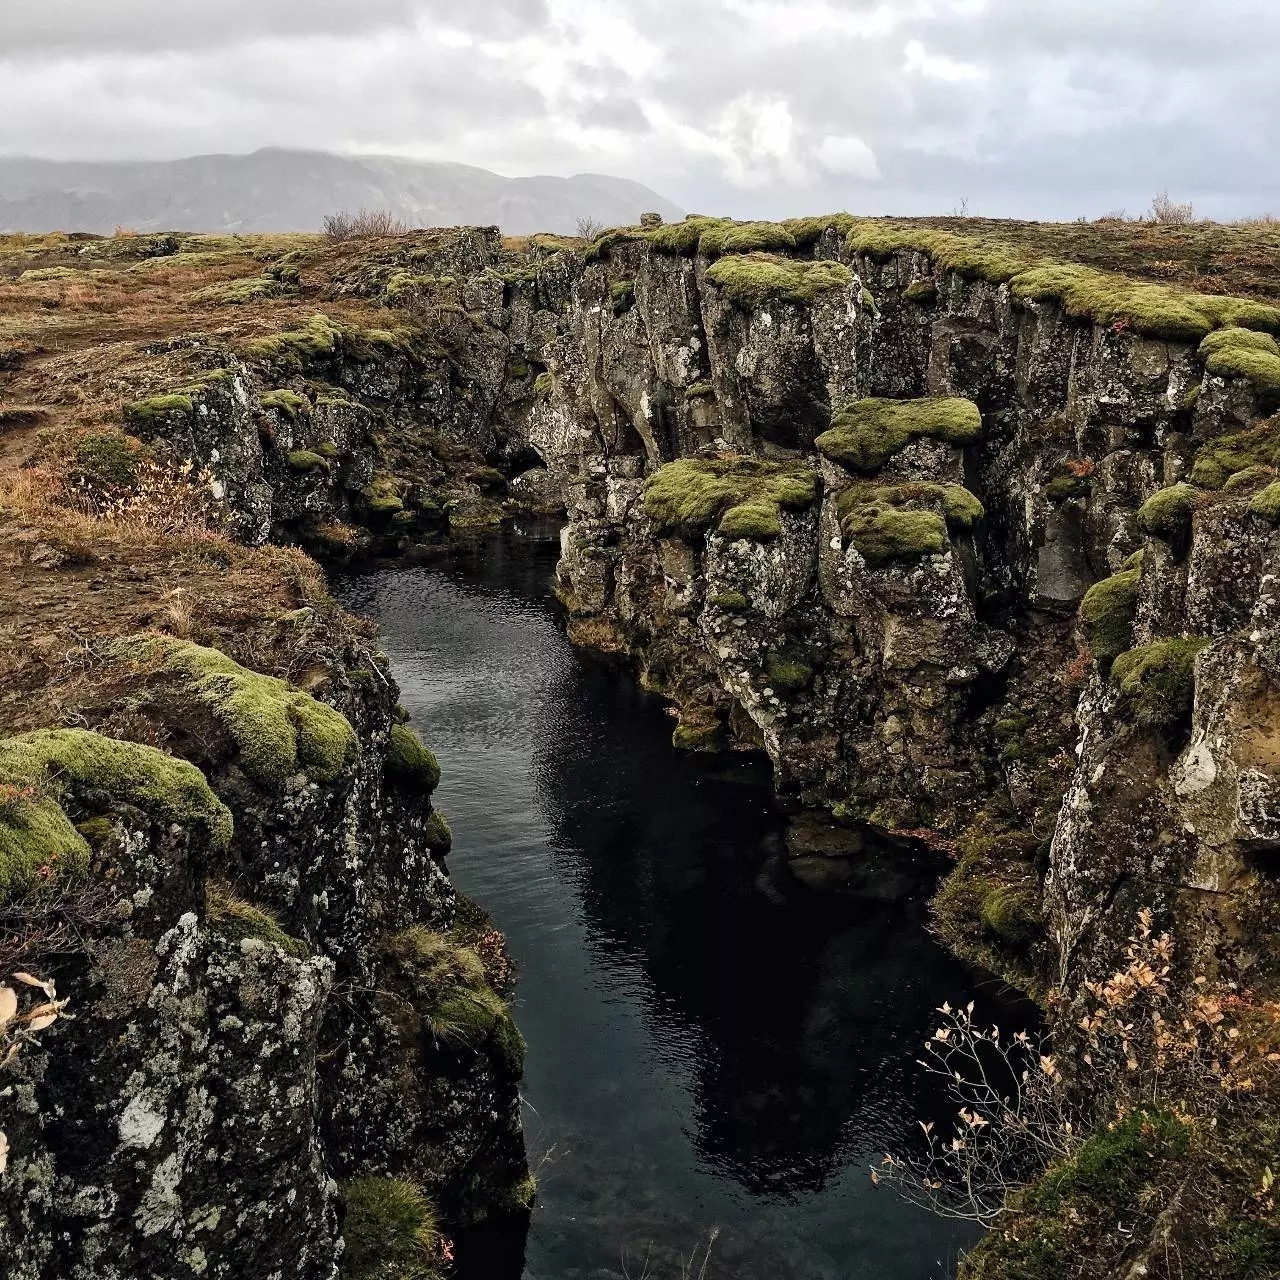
(709, 1047)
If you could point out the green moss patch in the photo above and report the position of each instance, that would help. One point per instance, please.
(889, 523)
(40, 848)
(922, 292)
(408, 761)
(1167, 514)
(147, 414)
(296, 349)
(683, 238)
(234, 918)
(806, 232)
(391, 1230)
(1244, 353)
(700, 391)
(753, 279)
(787, 670)
(105, 460)
(730, 601)
(1220, 459)
(278, 730)
(290, 403)
(1156, 682)
(543, 385)
(867, 433)
(240, 292)
(1107, 613)
(740, 497)
(305, 460)
(437, 834)
(1267, 503)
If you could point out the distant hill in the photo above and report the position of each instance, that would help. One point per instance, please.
(279, 190)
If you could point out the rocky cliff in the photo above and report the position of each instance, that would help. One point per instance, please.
(970, 532)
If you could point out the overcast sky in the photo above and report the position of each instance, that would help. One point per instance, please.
(1050, 108)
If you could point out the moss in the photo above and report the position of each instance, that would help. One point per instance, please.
(1222, 458)
(1107, 613)
(1012, 913)
(1063, 487)
(328, 450)
(96, 831)
(787, 672)
(391, 1230)
(234, 918)
(744, 237)
(296, 349)
(1266, 504)
(290, 403)
(1244, 353)
(409, 761)
(1084, 292)
(278, 730)
(753, 279)
(741, 497)
(682, 238)
(39, 846)
(157, 409)
(698, 735)
(622, 293)
(601, 248)
(1114, 1164)
(305, 460)
(1249, 477)
(1156, 682)
(107, 460)
(867, 433)
(1167, 514)
(436, 833)
(543, 385)
(700, 391)
(730, 601)
(240, 292)
(886, 523)
(806, 232)
(883, 534)
(922, 292)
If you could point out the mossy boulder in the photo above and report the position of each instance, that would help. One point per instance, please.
(1013, 914)
(278, 730)
(867, 433)
(888, 523)
(1107, 613)
(305, 461)
(1156, 682)
(287, 402)
(146, 415)
(738, 497)
(1266, 503)
(40, 848)
(1167, 514)
(409, 762)
(437, 834)
(1244, 353)
(296, 350)
(754, 279)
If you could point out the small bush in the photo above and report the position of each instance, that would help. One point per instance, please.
(1156, 682)
(365, 224)
(589, 229)
(867, 433)
(1169, 212)
(105, 460)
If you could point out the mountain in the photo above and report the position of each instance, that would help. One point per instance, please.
(280, 190)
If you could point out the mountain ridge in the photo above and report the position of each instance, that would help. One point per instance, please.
(282, 189)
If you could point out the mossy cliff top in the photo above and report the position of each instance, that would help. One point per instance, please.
(738, 497)
(1103, 296)
(39, 845)
(867, 433)
(753, 279)
(278, 730)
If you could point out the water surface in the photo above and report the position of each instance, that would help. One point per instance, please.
(710, 1048)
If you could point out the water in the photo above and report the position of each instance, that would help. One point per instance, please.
(709, 1047)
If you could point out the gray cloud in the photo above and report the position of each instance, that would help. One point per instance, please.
(750, 106)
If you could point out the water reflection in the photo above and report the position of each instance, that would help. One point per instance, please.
(708, 1047)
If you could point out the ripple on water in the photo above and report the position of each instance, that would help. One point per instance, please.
(708, 1048)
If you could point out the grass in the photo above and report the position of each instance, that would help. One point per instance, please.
(867, 433)
(391, 1230)
(739, 497)
(1107, 613)
(753, 279)
(40, 771)
(1156, 682)
(278, 730)
(234, 918)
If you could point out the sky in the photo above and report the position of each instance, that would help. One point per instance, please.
(752, 108)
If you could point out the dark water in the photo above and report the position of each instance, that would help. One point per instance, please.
(708, 1046)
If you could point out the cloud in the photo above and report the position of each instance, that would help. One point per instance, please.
(760, 107)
